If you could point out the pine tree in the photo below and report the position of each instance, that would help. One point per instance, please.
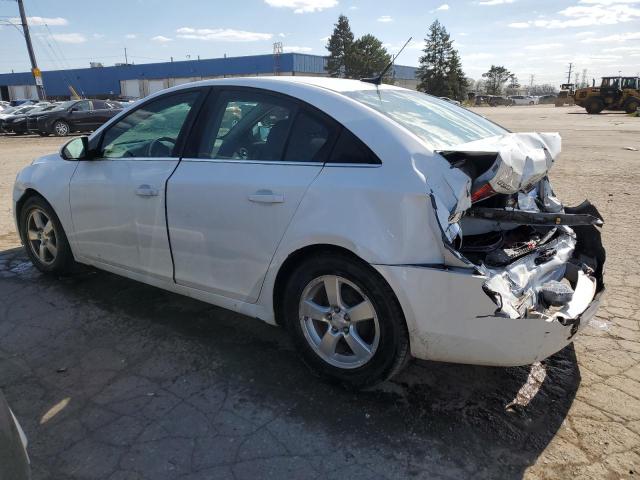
(433, 74)
(456, 80)
(366, 57)
(339, 45)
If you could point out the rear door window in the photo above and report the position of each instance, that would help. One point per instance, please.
(246, 125)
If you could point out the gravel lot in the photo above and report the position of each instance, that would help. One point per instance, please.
(112, 379)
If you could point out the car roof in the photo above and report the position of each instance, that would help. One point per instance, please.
(339, 85)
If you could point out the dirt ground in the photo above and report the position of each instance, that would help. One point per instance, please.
(115, 380)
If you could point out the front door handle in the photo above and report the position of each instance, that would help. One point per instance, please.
(266, 196)
(147, 191)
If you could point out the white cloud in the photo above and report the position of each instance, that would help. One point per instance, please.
(495, 2)
(607, 2)
(596, 13)
(622, 49)
(385, 19)
(463, 34)
(98, 36)
(221, 34)
(478, 56)
(303, 6)
(617, 38)
(282, 35)
(69, 37)
(161, 39)
(583, 34)
(543, 46)
(297, 49)
(353, 7)
(38, 21)
(442, 8)
(130, 36)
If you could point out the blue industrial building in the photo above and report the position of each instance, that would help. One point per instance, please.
(141, 80)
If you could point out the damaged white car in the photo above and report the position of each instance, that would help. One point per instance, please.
(375, 223)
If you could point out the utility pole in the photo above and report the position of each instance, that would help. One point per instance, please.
(34, 66)
(126, 60)
(569, 74)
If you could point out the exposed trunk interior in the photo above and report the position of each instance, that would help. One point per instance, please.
(541, 259)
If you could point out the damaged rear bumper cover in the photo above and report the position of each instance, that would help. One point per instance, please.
(475, 332)
(499, 316)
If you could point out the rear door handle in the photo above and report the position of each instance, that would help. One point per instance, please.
(266, 196)
(147, 191)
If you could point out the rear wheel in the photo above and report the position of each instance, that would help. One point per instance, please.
(595, 106)
(61, 128)
(44, 238)
(631, 106)
(345, 320)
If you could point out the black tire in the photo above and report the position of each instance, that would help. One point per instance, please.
(63, 260)
(392, 352)
(61, 128)
(631, 106)
(44, 134)
(595, 106)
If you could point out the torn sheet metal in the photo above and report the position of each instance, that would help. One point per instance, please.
(522, 159)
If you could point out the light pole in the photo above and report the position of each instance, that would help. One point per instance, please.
(34, 66)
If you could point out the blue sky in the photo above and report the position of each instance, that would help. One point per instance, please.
(529, 37)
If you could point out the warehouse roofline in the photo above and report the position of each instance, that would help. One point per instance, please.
(106, 81)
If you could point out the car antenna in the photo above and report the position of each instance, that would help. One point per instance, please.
(377, 80)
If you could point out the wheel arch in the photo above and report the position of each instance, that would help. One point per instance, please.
(300, 255)
(29, 192)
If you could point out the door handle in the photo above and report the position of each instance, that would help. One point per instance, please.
(147, 191)
(266, 196)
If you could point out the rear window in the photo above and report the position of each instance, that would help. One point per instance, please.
(439, 123)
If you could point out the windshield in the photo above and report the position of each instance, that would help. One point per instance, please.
(439, 123)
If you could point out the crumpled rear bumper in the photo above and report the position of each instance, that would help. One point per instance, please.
(450, 318)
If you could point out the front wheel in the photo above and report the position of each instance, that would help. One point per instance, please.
(595, 106)
(44, 238)
(632, 106)
(345, 320)
(61, 128)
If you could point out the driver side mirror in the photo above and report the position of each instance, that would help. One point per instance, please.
(77, 149)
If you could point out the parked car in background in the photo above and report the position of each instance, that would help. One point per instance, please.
(14, 460)
(450, 100)
(7, 115)
(374, 222)
(19, 123)
(76, 116)
(524, 100)
(547, 99)
(24, 101)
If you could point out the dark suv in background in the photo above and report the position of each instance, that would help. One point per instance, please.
(75, 116)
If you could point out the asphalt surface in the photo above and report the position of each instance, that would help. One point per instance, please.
(112, 379)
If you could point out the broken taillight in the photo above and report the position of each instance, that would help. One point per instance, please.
(483, 192)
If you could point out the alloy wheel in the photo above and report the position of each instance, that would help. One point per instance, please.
(61, 129)
(41, 236)
(339, 322)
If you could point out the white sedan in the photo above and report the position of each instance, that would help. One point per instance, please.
(524, 100)
(375, 223)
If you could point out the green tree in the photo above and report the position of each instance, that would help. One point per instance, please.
(496, 77)
(366, 57)
(433, 72)
(339, 44)
(456, 80)
(513, 85)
